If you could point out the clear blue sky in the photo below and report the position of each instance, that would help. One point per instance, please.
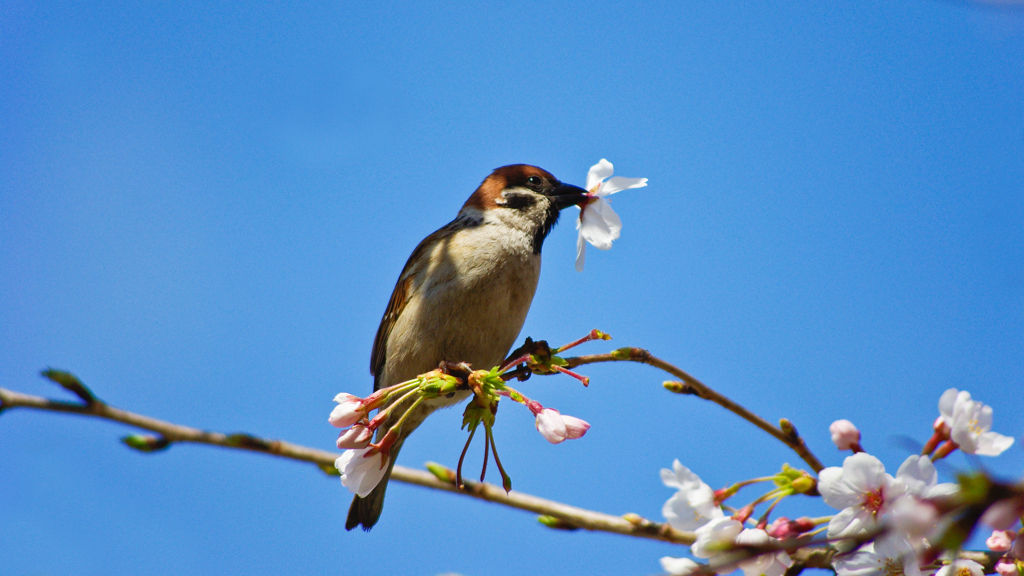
(204, 208)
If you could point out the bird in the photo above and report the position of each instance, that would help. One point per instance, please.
(463, 296)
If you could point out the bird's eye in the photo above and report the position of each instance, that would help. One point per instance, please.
(534, 181)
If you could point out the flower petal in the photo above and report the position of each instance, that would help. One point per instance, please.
(551, 426)
(679, 566)
(600, 224)
(834, 491)
(361, 473)
(599, 172)
(993, 444)
(618, 184)
(581, 249)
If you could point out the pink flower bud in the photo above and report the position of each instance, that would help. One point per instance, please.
(348, 411)
(1006, 567)
(784, 528)
(844, 434)
(999, 541)
(779, 528)
(574, 427)
(941, 427)
(551, 426)
(358, 436)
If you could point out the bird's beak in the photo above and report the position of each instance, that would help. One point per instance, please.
(568, 195)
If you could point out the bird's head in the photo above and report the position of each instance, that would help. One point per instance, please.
(524, 197)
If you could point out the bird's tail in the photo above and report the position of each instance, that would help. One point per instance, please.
(366, 511)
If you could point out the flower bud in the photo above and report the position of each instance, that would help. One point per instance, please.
(999, 541)
(1006, 567)
(551, 426)
(574, 427)
(348, 411)
(804, 484)
(844, 434)
(783, 527)
(357, 436)
(941, 427)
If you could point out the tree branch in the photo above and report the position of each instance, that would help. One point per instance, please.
(561, 516)
(570, 517)
(786, 434)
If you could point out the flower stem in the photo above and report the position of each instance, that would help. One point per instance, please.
(506, 480)
(462, 457)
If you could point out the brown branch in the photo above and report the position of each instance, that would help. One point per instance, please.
(787, 434)
(559, 515)
(569, 516)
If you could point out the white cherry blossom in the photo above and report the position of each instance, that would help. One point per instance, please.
(715, 537)
(888, 557)
(769, 564)
(961, 567)
(970, 424)
(918, 475)
(598, 224)
(693, 505)
(361, 473)
(861, 491)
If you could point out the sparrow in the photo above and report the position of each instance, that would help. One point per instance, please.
(463, 296)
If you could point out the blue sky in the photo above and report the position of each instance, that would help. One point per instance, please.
(204, 208)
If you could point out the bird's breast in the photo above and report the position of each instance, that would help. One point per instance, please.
(467, 302)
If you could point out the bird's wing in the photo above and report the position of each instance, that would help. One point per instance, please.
(403, 290)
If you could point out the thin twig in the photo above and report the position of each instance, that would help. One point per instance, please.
(691, 385)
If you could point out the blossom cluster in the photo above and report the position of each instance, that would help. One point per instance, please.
(364, 464)
(885, 525)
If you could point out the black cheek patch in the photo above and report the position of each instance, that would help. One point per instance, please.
(518, 201)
